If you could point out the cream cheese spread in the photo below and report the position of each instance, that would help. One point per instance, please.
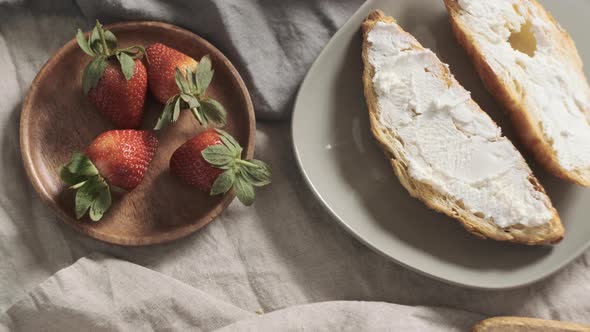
(446, 141)
(555, 91)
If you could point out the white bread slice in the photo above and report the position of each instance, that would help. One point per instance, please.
(525, 324)
(532, 68)
(433, 194)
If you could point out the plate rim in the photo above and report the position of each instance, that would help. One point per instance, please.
(34, 178)
(367, 7)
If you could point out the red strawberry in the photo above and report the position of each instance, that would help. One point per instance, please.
(162, 63)
(119, 100)
(188, 163)
(211, 161)
(123, 156)
(118, 158)
(115, 80)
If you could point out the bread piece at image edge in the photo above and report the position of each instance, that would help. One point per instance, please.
(528, 130)
(549, 233)
(522, 324)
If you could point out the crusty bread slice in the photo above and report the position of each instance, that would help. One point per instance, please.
(525, 324)
(504, 80)
(393, 146)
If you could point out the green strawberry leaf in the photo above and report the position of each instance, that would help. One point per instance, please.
(181, 81)
(84, 197)
(76, 162)
(223, 183)
(166, 115)
(127, 65)
(244, 190)
(70, 178)
(191, 81)
(244, 174)
(191, 100)
(83, 43)
(80, 164)
(133, 51)
(94, 42)
(204, 116)
(77, 171)
(92, 190)
(140, 52)
(176, 112)
(256, 172)
(191, 86)
(218, 155)
(230, 142)
(203, 74)
(110, 39)
(101, 41)
(93, 73)
(101, 203)
(213, 111)
(197, 115)
(104, 43)
(83, 202)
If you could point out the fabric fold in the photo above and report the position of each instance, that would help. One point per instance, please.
(98, 293)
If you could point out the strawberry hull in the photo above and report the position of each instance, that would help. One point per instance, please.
(211, 161)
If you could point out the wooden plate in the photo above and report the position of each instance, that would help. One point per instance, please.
(57, 120)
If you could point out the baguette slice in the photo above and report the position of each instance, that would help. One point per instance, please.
(508, 198)
(532, 68)
(525, 324)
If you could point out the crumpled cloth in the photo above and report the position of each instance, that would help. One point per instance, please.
(124, 298)
(282, 264)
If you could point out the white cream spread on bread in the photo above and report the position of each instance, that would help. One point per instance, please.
(547, 76)
(447, 142)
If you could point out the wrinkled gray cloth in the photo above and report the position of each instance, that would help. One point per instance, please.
(124, 298)
(253, 268)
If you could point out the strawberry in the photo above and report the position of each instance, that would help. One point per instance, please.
(119, 100)
(115, 80)
(190, 94)
(188, 163)
(163, 61)
(211, 161)
(117, 159)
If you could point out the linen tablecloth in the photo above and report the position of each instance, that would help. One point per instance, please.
(282, 264)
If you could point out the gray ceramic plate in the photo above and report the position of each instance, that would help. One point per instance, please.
(350, 175)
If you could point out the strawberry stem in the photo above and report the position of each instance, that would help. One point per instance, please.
(103, 40)
(244, 162)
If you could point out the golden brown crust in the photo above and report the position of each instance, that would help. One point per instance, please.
(528, 130)
(521, 324)
(551, 232)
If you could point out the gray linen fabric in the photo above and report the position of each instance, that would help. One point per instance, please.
(124, 298)
(282, 252)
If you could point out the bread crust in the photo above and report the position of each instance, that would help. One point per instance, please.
(548, 233)
(527, 127)
(518, 324)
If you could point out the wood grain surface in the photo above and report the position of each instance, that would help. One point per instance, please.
(57, 120)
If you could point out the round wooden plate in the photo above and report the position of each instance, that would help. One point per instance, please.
(57, 120)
